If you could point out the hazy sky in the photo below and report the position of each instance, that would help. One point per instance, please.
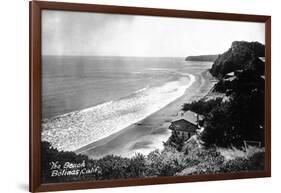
(78, 33)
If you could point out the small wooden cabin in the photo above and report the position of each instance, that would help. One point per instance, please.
(187, 125)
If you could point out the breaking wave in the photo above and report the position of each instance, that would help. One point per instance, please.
(74, 130)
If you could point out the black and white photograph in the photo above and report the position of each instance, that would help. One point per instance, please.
(132, 96)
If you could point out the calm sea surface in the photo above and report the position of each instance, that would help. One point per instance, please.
(76, 82)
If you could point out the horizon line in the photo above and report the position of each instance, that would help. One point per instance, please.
(117, 56)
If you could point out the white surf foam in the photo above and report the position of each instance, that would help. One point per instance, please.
(141, 90)
(77, 129)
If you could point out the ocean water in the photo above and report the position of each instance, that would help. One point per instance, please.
(85, 99)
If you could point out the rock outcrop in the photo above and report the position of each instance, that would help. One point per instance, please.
(240, 56)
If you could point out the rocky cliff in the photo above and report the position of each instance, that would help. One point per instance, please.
(241, 55)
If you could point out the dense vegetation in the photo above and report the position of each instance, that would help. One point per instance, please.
(157, 163)
(241, 115)
(106, 168)
(240, 56)
(168, 162)
(176, 141)
(202, 107)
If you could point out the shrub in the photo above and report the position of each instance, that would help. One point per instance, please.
(137, 167)
(175, 140)
(255, 162)
(108, 167)
(223, 86)
(114, 167)
(202, 107)
(50, 154)
(165, 163)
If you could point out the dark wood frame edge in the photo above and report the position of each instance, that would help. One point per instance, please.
(35, 8)
(35, 96)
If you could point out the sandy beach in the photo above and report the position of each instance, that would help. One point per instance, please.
(150, 133)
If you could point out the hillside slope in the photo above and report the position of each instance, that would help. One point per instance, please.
(240, 56)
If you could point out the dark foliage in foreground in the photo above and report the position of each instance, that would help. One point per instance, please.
(168, 162)
(165, 163)
(217, 165)
(106, 168)
(256, 162)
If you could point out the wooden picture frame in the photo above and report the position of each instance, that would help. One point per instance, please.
(36, 8)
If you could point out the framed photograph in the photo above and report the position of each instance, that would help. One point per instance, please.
(123, 96)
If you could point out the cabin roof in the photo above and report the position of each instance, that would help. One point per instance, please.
(192, 117)
(183, 125)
